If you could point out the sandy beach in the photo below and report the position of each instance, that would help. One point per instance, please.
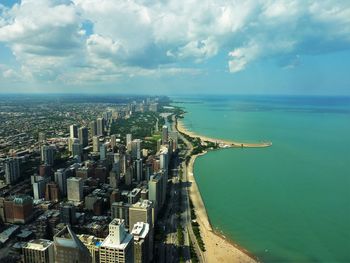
(218, 248)
(223, 143)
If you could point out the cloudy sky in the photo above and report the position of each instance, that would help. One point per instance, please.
(175, 46)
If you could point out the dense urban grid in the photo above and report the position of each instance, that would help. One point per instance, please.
(94, 179)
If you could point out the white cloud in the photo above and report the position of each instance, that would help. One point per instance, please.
(136, 37)
(240, 57)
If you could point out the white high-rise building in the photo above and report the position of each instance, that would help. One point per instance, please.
(155, 187)
(73, 131)
(100, 126)
(164, 163)
(113, 141)
(118, 245)
(141, 211)
(95, 144)
(164, 158)
(39, 185)
(38, 250)
(75, 189)
(142, 245)
(128, 141)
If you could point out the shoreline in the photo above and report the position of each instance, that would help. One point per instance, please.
(222, 143)
(219, 248)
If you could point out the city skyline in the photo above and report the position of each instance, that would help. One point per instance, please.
(255, 47)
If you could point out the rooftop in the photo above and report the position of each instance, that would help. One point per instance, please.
(74, 179)
(67, 238)
(142, 204)
(140, 230)
(90, 240)
(38, 244)
(123, 244)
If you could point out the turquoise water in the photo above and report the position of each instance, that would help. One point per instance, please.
(286, 203)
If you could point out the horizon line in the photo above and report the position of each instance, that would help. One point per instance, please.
(168, 95)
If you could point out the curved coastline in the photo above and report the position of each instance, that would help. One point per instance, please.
(222, 143)
(218, 247)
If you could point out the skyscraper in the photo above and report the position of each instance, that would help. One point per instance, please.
(142, 246)
(73, 131)
(93, 128)
(75, 189)
(116, 163)
(136, 149)
(141, 211)
(138, 170)
(103, 151)
(83, 135)
(107, 116)
(52, 192)
(67, 214)
(128, 141)
(121, 210)
(164, 164)
(96, 144)
(100, 127)
(118, 246)
(128, 175)
(39, 186)
(61, 180)
(114, 179)
(164, 134)
(70, 143)
(12, 171)
(69, 248)
(113, 140)
(155, 194)
(48, 154)
(77, 148)
(38, 250)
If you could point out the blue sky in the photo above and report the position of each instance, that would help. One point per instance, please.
(173, 46)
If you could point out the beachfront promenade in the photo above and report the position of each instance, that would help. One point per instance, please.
(218, 248)
(221, 143)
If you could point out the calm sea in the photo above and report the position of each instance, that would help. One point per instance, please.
(286, 203)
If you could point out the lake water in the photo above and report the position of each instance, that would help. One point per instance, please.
(286, 203)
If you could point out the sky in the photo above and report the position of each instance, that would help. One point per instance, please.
(297, 47)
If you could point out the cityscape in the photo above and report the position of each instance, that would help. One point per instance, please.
(95, 182)
(174, 131)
